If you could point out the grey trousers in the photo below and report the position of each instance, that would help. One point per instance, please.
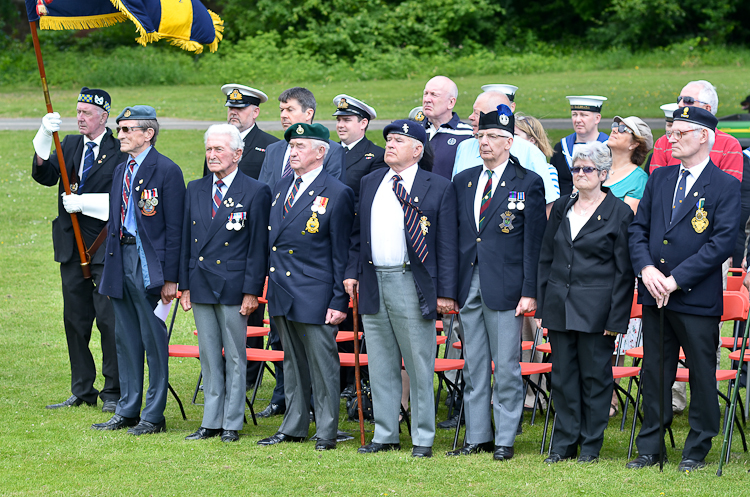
(222, 327)
(491, 336)
(398, 331)
(311, 366)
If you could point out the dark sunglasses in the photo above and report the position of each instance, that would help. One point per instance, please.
(689, 100)
(128, 129)
(621, 128)
(578, 169)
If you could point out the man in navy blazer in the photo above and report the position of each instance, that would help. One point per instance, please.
(141, 267)
(683, 231)
(222, 273)
(403, 262)
(501, 221)
(309, 227)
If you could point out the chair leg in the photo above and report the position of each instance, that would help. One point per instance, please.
(197, 387)
(459, 381)
(252, 411)
(635, 420)
(546, 424)
(179, 402)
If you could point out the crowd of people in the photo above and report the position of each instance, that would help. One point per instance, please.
(483, 218)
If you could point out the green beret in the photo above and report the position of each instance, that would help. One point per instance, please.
(304, 130)
(137, 112)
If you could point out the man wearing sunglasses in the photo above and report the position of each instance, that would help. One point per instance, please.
(141, 265)
(726, 152)
(90, 158)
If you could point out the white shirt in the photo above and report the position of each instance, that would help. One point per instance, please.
(307, 179)
(482, 183)
(352, 144)
(694, 172)
(243, 134)
(97, 141)
(577, 222)
(227, 180)
(388, 239)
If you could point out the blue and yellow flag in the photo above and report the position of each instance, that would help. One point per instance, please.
(184, 23)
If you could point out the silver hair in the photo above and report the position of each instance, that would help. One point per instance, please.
(235, 139)
(598, 153)
(321, 143)
(707, 94)
(150, 123)
(711, 134)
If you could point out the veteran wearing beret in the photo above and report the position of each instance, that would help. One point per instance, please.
(403, 263)
(90, 159)
(685, 228)
(309, 226)
(141, 266)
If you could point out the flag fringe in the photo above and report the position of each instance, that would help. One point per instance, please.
(83, 22)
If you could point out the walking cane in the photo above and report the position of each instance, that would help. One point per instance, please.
(661, 389)
(355, 313)
(733, 404)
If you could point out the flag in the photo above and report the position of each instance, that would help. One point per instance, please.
(184, 23)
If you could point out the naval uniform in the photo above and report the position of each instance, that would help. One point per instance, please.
(562, 159)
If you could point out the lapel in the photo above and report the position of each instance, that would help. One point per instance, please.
(74, 163)
(471, 195)
(598, 218)
(277, 207)
(667, 194)
(248, 141)
(305, 199)
(145, 171)
(499, 200)
(355, 155)
(205, 199)
(220, 220)
(419, 188)
(698, 191)
(106, 149)
(564, 224)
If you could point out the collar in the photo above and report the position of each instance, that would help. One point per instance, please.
(309, 176)
(697, 169)
(352, 144)
(244, 134)
(139, 159)
(407, 175)
(227, 180)
(452, 124)
(498, 171)
(97, 141)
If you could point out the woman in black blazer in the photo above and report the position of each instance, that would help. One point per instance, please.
(584, 297)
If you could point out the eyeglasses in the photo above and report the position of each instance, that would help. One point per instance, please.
(586, 169)
(621, 128)
(127, 129)
(689, 100)
(679, 134)
(491, 136)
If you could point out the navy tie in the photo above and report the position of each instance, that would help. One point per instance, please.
(88, 163)
(680, 195)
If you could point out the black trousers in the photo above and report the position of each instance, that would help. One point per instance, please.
(82, 305)
(582, 386)
(699, 338)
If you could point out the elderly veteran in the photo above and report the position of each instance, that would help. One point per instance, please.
(403, 262)
(309, 227)
(685, 228)
(222, 273)
(585, 294)
(90, 159)
(501, 218)
(141, 267)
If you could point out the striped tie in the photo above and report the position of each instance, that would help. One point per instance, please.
(217, 198)
(486, 198)
(411, 219)
(680, 194)
(290, 200)
(88, 163)
(126, 192)
(287, 167)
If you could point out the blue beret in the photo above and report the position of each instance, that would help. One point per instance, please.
(137, 112)
(408, 128)
(696, 115)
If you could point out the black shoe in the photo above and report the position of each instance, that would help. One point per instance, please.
(116, 422)
(588, 458)
(72, 401)
(312, 416)
(230, 436)
(691, 464)
(204, 433)
(451, 423)
(109, 406)
(419, 451)
(324, 444)
(147, 428)
(502, 453)
(349, 392)
(644, 461)
(469, 449)
(554, 457)
(271, 410)
(374, 447)
(278, 438)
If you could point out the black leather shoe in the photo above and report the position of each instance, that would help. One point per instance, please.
(349, 392)
(271, 410)
(554, 457)
(469, 449)
(116, 422)
(450, 423)
(502, 453)
(203, 433)
(419, 451)
(374, 447)
(278, 438)
(109, 406)
(147, 428)
(691, 464)
(72, 401)
(323, 444)
(644, 460)
(230, 436)
(588, 458)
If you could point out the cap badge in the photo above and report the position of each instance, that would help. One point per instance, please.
(235, 95)
(504, 119)
(419, 117)
(300, 130)
(127, 113)
(685, 112)
(405, 127)
(343, 104)
(99, 100)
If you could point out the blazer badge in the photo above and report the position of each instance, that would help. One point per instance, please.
(507, 224)
(700, 221)
(148, 202)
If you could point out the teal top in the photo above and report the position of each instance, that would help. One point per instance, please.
(631, 185)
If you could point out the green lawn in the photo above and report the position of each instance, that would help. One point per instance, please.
(56, 453)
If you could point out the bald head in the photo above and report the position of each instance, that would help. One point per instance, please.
(487, 102)
(438, 100)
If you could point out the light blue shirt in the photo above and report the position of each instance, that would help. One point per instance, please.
(528, 155)
(130, 225)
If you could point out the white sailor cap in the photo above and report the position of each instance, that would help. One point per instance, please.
(242, 96)
(417, 114)
(509, 90)
(590, 103)
(669, 110)
(350, 106)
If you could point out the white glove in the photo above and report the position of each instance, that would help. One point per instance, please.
(43, 139)
(94, 205)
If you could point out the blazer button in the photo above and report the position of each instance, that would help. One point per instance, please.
(226, 244)
(370, 262)
(218, 261)
(472, 263)
(568, 266)
(111, 253)
(273, 248)
(196, 240)
(288, 273)
(291, 251)
(272, 269)
(479, 240)
(567, 285)
(662, 261)
(200, 258)
(193, 222)
(269, 228)
(665, 242)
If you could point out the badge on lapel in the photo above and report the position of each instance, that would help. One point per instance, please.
(228, 202)
(700, 221)
(148, 202)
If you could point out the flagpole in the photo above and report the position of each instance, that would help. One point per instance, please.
(63, 170)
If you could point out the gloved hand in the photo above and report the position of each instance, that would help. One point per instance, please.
(43, 139)
(94, 205)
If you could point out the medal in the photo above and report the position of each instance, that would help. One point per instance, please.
(236, 221)
(512, 197)
(424, 224)
(700, 221)
(508, 218)
(141, 203)
(521, 198)
(313, 224)
(148, 201)
(319, 205)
